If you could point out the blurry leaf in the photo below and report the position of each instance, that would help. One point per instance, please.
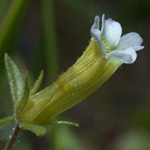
(11, 20)
(6, 121)
(23, 101)
(15, 79)
(135, 139)
(50, 38)
(37, 84)
(6, 132)
(37, 129)
(4, 4)
(65, 121)
(65, 139)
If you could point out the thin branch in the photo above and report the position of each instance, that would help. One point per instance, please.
(13, 138)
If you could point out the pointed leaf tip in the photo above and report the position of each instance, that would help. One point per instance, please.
(65, 121)
(5, 55)
(15, 79)
(37, 83)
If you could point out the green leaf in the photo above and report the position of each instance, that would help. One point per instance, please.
(15, 79)
(65, 121)
(37, 129)
(6, 121)
(37, 83)
(23, 101)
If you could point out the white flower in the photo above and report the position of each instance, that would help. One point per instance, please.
(112, 45)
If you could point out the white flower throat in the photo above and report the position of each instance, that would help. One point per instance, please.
(107, 47)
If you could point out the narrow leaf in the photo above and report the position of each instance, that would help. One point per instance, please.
(15, 79)
(37, 84)
(23, 101)
(50, 39)
(12, 17)
(6, 121)
(65, 121)
(37, 129)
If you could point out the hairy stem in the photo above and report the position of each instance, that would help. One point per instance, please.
(13, 138)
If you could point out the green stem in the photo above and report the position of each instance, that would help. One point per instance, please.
(13, 138)
(50, 38)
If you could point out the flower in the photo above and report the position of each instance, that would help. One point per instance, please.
(107, 50)
(112, 45)
(105, 53)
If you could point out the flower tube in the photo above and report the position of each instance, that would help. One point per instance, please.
(106, 52)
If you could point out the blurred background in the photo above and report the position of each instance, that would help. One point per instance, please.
(51, 35)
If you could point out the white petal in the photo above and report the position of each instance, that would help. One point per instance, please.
(127, 56)
(132, 39)
(96, 35)
(96, 23)
(95, 32)
(112, 32)
(103, 24)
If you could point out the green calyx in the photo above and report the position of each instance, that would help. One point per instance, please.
(34, 111)
(83, 78)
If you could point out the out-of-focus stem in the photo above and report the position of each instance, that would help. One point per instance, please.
(50, 39)
(13, 138)
(7, 24)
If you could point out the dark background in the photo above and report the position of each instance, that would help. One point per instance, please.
(117, 115)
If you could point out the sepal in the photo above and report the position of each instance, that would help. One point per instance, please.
(37, 129)
(24, 100)
(37, 84)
